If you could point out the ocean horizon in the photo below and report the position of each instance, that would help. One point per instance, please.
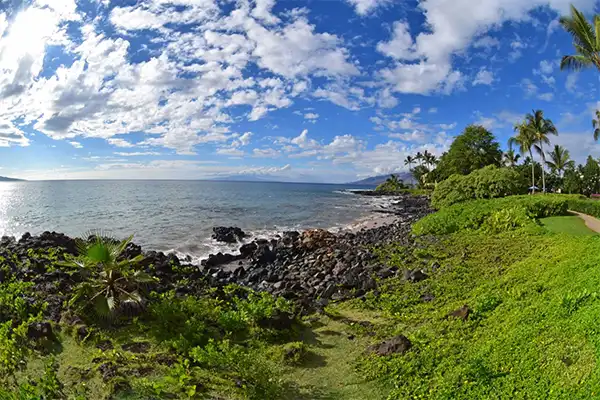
(177, 215)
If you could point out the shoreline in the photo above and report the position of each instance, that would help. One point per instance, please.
(310, 267)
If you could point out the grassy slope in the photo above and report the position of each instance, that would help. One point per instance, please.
(533, 332)
(570, 224)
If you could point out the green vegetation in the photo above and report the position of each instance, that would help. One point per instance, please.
(493, 216)
(484, 183)
(391, 185)
(570, 224)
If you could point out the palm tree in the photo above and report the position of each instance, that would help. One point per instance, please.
(541, 128)
(585, 40)
(525, 140)
(511, 158)
(596, 125)
(428, 159)
(409, 160)
(560, 159)
(114, 284)
(419, 158)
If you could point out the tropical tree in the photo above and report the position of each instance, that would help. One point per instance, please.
(525, 140)
(474, 148)
(596, 125)
(419, 158)
(113, 284)
(559, 159)
(511, 158)
(586, 40)
(540, 128)
(409, 160)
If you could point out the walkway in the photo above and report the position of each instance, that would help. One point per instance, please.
(591, 222)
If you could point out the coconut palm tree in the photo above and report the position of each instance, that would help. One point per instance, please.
(419, 158)
(560, 159)
(511, 158)
(541, 128)
(596, 125)
(525, 140)
(409, 160)
(428, 159)
(586, 40)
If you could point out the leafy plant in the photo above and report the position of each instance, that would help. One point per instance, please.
(484, 183)
(113, 285)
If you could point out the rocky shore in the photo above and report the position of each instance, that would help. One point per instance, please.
(311, 267)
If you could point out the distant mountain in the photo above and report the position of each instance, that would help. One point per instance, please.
(6, 179)
(246, 178)
(379, 179)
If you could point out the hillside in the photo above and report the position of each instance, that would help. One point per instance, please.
(7, 179)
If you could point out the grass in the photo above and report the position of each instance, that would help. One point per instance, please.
(532, 332)
(570, 224)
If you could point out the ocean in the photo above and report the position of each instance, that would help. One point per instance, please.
(176, 216)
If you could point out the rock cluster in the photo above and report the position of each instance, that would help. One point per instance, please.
(310, 268)
(317, 265)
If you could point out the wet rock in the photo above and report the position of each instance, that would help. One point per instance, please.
(248, 249)
(228, 234)
(108, 371)
(396, 345)
(427, 297)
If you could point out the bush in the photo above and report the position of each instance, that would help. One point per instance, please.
(485, 183)
(590, 207)
(495, 215)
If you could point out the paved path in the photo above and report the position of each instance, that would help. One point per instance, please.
(591, 222)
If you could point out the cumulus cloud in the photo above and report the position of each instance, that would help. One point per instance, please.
(365, 7)
(484, 77)
(77, 145)
(11, 135)
(452, 26)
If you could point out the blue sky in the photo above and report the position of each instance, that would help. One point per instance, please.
(321, 90)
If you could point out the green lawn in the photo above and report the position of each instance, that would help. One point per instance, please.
(570, 224)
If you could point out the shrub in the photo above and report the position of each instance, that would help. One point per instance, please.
(495, 215)
(485, 183)
(590, 207)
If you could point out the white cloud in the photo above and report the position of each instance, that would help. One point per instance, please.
(486, 42)
(546, 96)
(433, 110)
(77, 145)
(11, 135)
(311, 116)
(230, 151)
(452, 26)
(364, 7)
(401, 45)
(137, 153)
(484, 77)
(546, 67)
(303, 141)
(119, 142)
(571, 83)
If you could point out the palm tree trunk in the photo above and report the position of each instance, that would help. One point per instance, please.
(543, 172)
(532, 172)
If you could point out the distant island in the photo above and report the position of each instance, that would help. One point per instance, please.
(7, 179)
(379, 179)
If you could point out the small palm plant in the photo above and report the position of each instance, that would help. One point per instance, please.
(113, 285)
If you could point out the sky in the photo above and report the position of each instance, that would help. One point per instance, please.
(314, 90)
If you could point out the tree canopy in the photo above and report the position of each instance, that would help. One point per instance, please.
(474, 148)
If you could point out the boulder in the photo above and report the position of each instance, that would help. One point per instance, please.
(415, 275)
(462, 313)
(228, 234)
(396, 345)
